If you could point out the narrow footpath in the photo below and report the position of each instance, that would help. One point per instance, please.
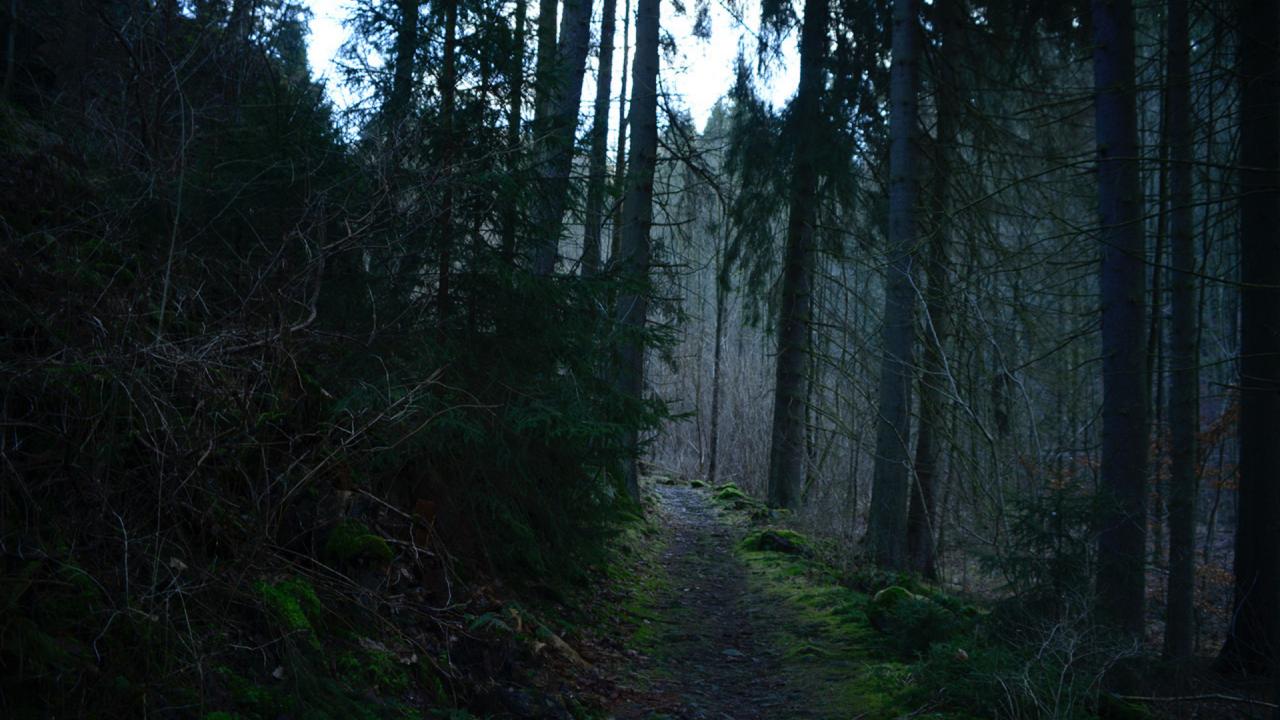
(712, 653)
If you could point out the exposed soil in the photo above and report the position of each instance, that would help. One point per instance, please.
(712, 658)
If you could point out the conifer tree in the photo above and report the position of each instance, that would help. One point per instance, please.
(886, 527)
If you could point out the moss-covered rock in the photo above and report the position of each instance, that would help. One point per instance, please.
(731, 495)
(350, 541)
(888, 598)
(911, 623)
(779, 540)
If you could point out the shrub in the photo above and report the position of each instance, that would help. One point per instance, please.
(1052, 671)
(910, 623)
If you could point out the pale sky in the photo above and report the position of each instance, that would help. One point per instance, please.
(700, 74)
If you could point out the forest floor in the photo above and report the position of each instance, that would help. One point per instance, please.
(711, 608)
(728, 633)
(718, 611)
(710, 653)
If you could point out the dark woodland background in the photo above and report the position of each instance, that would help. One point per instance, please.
(992, 306)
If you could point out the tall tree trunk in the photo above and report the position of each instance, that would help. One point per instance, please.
(515, 101)
(1155, 341)
(556, 156)
(544, 71)
(1253, 643)
(599, 144)
(240, 21)
(722, 287)
(886, 526)
(10, 49)
(544, 85)
(395, 114)
(448, 92)
(921, 513)
(1122, 517)
(787, 448)
(620, 167)
(637, 219)
(1184, 388)
(406, 52)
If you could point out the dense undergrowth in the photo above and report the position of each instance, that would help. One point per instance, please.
(251, 467)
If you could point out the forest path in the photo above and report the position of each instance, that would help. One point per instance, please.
(713, 651)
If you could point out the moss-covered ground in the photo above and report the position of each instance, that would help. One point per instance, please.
(735, 616)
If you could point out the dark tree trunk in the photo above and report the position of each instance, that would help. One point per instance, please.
(1254, 638)
(721, 292)
(448, 91)
(1122, 515)
(544, 85)
(787, 449)
(620, 167)
(637, 219)
(515, 101)
(1184, 387)
(599, 176)
(921, 513)
(545, 68)
(240, 20)
(10, 34)
(1155, 343)
(556, 143)
(406, 53)
(887, 524)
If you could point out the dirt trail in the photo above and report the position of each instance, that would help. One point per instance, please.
(714, 659)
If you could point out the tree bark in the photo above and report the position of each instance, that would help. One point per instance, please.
(721, 291)
(1184, 388)
(514, 103)
(10, 49)
(1253, 640)
(1121, 529)
(406, 52)
(448, 92)
(599, 144)
(886, 526)
(556, 142)
(637, 219)
(620, 167)
(787, 448)
(545, 66)
(921, 513)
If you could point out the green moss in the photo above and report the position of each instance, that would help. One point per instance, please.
(731, 496)
(834, 652)
(375, 669)
(350, 541)
(779, 540)
(634, 568)
(293, 603)
(697, 483)
(728, 492)
(889, 597)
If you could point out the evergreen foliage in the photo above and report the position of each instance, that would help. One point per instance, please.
(234, 411)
